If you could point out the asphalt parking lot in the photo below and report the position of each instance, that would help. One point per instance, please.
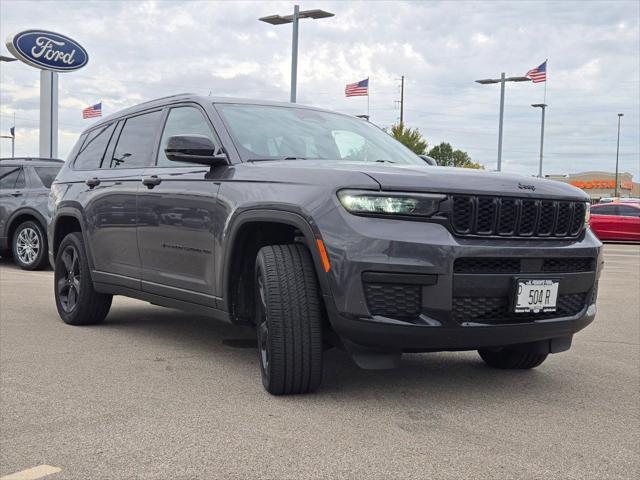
(156, 393)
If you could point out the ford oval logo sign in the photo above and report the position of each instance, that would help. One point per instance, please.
(48, 50)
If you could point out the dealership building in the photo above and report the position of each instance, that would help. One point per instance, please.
(601, 184)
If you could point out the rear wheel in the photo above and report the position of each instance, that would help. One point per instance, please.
(29, 246)
(288, 320)
(512, 359)
(78, 303)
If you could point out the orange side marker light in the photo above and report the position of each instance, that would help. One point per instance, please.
(323, 255)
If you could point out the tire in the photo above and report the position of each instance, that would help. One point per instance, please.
(288, 319)
(29, 246)
(77, 302)
(512, 359)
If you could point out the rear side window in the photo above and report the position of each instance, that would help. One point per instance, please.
(136, 142)
(47, 175)
(627, 211)
(92, 150)
(11, 178)
(183, 121)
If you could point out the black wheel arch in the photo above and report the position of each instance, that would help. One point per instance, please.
(306, 227)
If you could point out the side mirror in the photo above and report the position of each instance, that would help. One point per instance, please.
(429, 160)
(194, 149)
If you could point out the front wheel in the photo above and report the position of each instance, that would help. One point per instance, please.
(512, 359)
(288, 320)
(78, 303)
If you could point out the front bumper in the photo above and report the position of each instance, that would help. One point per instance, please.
(456, 310)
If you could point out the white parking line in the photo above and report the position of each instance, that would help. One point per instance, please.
(32, 473)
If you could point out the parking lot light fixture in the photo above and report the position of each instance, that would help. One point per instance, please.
(502, 80)
(297, 15)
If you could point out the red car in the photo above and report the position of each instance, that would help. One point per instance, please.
(616, 221)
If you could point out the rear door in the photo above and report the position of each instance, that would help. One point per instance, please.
(178, 215)
(111, 210)
(12, 196)
(628, 222)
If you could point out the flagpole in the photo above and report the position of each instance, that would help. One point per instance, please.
(546, 79)
(13, 137)
(368, 93)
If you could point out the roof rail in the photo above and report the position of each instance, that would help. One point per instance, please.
(30, 159)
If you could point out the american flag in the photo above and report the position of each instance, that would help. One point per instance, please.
(538, 74)
(358, 89)
(92, 111)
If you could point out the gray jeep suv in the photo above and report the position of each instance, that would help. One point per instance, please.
(319, 229)
(24, 193)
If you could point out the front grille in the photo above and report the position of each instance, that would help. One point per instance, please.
(497, 309)
(394, 300)
(488, 265)
(473, 215)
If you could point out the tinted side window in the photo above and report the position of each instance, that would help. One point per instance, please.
(605, 210)
(92, 150)
(9, 177)
(136, 142)
(183, 121)
(47, 175)
(628, 211)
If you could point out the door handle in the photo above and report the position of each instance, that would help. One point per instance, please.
(92, 182)
(151, 181)
(16, 194)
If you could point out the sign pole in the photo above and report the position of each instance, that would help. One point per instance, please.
(48, 114)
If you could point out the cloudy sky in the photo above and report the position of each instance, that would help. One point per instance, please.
(142, 50)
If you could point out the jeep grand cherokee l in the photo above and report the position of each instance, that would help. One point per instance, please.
(317, 228)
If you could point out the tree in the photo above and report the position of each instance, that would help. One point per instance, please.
(446, 156)
(410, 138)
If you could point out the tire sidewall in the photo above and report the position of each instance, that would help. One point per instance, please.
(38, 263)
(75, 240)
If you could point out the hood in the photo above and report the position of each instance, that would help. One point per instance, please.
(426, 178)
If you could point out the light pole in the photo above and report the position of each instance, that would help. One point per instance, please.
(501, 81)
(297, 15)
(620, 115)
(543, 106)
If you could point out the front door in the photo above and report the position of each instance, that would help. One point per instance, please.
(178, 217)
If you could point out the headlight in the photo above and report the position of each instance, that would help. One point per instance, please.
(587, 213)
(374, 203)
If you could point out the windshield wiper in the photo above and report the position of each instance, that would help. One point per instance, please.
(275, 159)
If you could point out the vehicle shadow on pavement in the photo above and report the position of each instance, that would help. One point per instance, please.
(441, 374)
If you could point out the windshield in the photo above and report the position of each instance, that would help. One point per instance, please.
(264, 132)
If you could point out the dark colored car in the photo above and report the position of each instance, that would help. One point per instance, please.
(319, 229)
(24, 193)
(616, 221)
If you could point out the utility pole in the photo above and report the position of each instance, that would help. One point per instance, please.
(620, 115)
(543, 106)
(402, 99)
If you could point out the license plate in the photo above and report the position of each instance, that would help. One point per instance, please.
(536, 295)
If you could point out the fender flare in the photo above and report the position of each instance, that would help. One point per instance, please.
(75, 213)
(11, 222)
(288, 217)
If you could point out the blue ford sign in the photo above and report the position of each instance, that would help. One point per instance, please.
(47, 50)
